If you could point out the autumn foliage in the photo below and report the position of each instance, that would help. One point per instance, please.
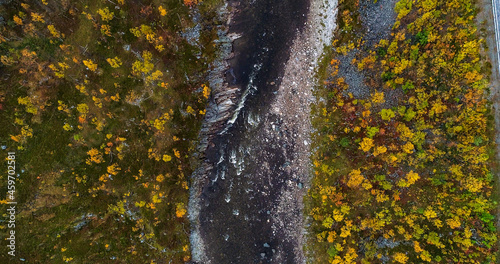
(102, 102)
(403, 175)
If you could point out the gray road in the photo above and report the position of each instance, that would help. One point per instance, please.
(496, 17)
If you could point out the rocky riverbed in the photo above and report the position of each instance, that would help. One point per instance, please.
(246, 196)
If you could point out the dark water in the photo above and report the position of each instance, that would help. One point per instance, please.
(250, 163)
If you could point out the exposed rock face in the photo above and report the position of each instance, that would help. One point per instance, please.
(220, 106)
(246, 196)
(223, 98)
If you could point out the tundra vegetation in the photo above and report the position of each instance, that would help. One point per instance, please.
(404, 175)
(102, 102)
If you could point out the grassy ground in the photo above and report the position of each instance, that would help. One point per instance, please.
(102, 102)
(403, 174)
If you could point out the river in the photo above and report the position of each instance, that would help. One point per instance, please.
(248, 194)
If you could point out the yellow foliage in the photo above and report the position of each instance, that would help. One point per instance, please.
(412, 177)
(82, 108)
(37, 17)
(145, 66)
(167, 158)
(349, 257)
(18, 20)
(381, 197)
(355, 178)
(113, 169)
(104, 178)
(473, 184)
(437, 108)
(425, 256)
(118, 208)
(206, 91)
(405, 133)
(106, 30)
(114, 62)
(30, 108)
(95, 156)
(159, 123)
(366, 144)
(90, 65)
(327, 222)
(160, 178)
(105, 14)
(402, 66)
(23, 100)
(366, 185)
(177, 153)
(400, 257)
(99, 123)
(378, 98)
(18, 121)
(156, 199)
(64, 258)
(160, 48)
(26, 131)
(162, 11)
(429, 213)
(97, 101)
(154, 76)
(337, 215)
(379, 150)
(81, 88)
(417, 247)
(453, 222)
(180, 210)
(408, 147)
(331, 236)
(53, 31)
(190, 110)
(345, 231)
(115, 97)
